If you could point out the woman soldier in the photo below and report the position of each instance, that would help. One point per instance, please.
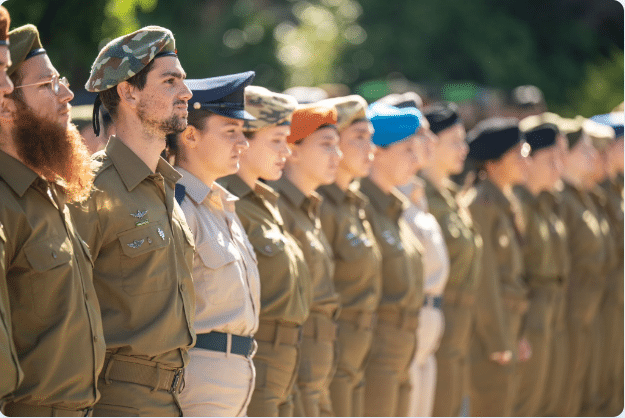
(285, 292)
(464, 246)
(545, 257)
(357, 274)
(496, 148)
(387, 388)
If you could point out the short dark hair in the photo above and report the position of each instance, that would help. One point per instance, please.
(198, 117)
(110, 98)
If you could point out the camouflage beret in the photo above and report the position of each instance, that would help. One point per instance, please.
(269, 108)
(349, 109)
(25, 44)
(600, 135)
(125, 56)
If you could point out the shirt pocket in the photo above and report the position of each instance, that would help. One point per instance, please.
(268, 243)
(353, 247)
(144, 263)
(220, 280)
(51, 277)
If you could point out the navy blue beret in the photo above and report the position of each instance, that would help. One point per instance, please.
(224, 95)
(542, 136)
(615, 120)
(392, 124)
(492, 138)
(441, 116)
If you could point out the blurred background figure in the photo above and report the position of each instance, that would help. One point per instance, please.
(82, 117)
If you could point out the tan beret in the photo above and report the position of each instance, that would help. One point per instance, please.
(600, 135)
(349, 109)
(572, 128)
(534, 121)
(269, 108)
(25, 44)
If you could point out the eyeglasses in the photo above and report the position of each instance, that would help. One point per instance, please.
(55, 82)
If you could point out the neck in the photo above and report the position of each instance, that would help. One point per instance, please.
(146, 144)
(503, 184)
(7, 144)
(247, 176)
(198, 169)
(343, 179)
(380, 180)
(305, 185)
(435, 175)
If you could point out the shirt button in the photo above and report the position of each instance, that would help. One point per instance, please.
(54, 254)
(183, 286)
(95, 338)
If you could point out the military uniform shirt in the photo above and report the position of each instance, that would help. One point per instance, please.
(301, 219)
(464, 243)
(402, 265)
(55, 313)
(357, 258)
(143, 255)
(285, 291)
(9, 365)
(227, 286)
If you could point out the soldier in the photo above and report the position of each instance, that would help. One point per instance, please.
(586, 247)
(54, 309)
(357, 274)
(220, 378)
(464, 246)
(141, 245)
(495, 146)
(285, 291)
(543, 259)
(313, 162)
(387, 377)
(9, 363)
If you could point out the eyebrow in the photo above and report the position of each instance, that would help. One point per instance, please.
(176, 74)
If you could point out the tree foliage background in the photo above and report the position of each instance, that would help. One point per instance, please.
(571, 49)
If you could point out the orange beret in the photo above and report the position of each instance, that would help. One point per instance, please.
(5, 22)
(308, 118)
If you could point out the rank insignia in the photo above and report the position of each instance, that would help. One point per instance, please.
(136, 243)
(161, 233)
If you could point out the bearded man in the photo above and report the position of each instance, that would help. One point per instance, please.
(141, 245)
(55, 313)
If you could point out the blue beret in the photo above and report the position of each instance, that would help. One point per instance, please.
(542, 136)
(492, 138)
(615, 120)
(224, 95)
(392, 124)
(441, 116)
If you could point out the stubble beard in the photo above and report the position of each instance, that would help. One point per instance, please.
(160, 128)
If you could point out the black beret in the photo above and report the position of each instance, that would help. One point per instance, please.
(542, 136)
(441, 116)
(492, 138)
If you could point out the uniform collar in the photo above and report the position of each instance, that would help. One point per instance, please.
(131, 168)
(524, 194)
(294, 195)
(493, 192)
(392, 204)
(198, 191)
(235, 185)
(334, 193)
(444, 194)
(16, 174)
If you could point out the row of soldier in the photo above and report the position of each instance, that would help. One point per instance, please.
(290, 262)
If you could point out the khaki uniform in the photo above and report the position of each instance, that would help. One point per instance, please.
(585, 291)
(502, 302)
(9, 363)
(557, 365)
(464, 245)
(285, 295)
(143, 255)
(611, 389)
(388, 387)
(357, 278)
(318, 359)
(541, 251)
(55, 313)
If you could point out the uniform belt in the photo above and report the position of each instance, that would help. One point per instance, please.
(278, 333)
(319, 327)
(17, 409)
(458, 297)
(142, 372)
(218, 341)
(433, 301)
(362, 319)
(400, 319)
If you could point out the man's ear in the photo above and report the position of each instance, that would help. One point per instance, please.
(128, 94)
(8, 110)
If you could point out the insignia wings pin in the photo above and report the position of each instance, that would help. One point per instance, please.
(136, 243)
(139, 214)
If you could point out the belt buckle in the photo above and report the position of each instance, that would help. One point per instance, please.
(178, 378)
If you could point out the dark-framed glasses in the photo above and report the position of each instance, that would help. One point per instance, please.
(55, 82)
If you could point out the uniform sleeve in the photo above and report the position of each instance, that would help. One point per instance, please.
(490, 320)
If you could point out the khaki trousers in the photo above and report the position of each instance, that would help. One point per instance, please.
(452, 360)
(276, 369)
(387, 377)
(122, 399)
(347, 390)
(580, 346)
(539, 331)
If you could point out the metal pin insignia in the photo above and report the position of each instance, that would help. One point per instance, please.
(139, 214)
(136, 243)
(160, 233)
